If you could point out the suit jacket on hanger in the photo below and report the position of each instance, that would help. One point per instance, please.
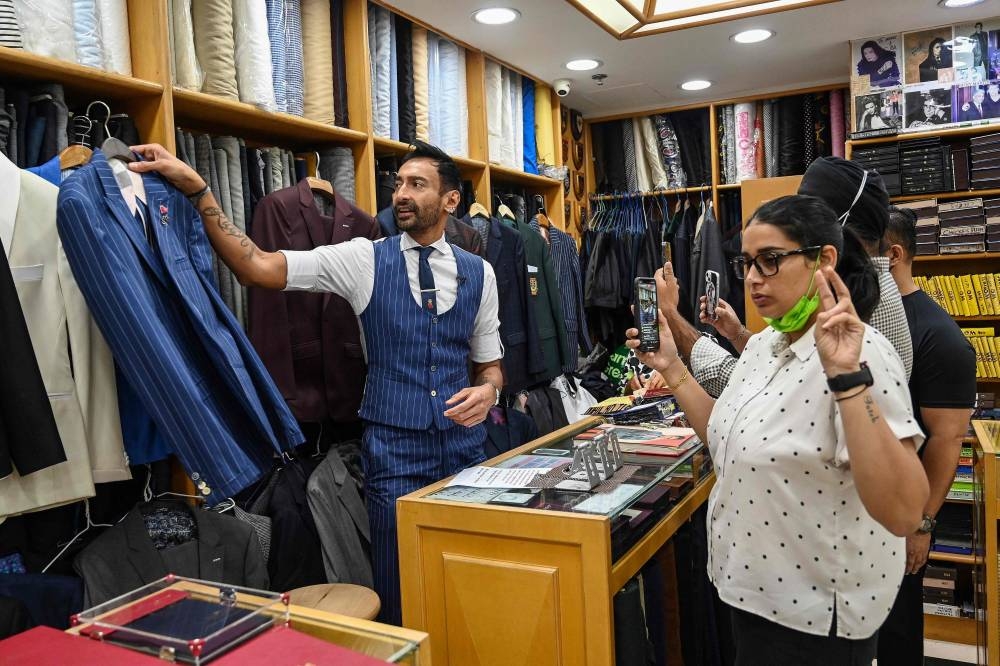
(124, 558)
(309, 342)
(74, 359)
(341, 522)
(174, 340)
(522, 356)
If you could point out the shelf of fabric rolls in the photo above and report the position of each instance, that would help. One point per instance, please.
(75, 78)
(225, 116)
(385, 145)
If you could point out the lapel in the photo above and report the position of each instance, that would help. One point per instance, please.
(115, 202)
(10, 181)
(141, 555)
(211, 553)
(311, 218)
(494, 247)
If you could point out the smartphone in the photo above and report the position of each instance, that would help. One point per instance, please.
(712, 294)
(646, 314)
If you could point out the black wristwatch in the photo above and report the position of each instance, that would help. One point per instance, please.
(926, 525)
(849, 380)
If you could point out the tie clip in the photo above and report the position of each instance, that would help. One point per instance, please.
(424, 291)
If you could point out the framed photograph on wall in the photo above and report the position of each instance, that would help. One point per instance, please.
(876, 62)
(880, 109)
(927, 107)
(971, 51)
(975, 102)
(928, 56)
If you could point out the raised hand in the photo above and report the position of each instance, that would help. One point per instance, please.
(668, 290)
(839, 332)
(726, 323)
(664, 357)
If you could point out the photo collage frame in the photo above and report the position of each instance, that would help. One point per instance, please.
(922, 80)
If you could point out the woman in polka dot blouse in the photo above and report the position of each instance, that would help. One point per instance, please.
(815, 487)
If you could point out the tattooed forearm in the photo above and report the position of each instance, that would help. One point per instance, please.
(214, 213)
(870, 408)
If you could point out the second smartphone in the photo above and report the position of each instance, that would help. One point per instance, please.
(647, 314)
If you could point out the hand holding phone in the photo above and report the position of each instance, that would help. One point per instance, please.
(712, 294)
(646, 313)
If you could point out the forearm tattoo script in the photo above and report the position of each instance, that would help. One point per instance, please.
(230, 229)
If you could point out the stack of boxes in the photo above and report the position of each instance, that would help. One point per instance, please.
(928, 224)
(992, 209)
(985, 153)
(962, 227)
(939, 591)
(925, 166)
(884, 159)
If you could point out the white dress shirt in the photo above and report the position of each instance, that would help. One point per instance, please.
(789, 538)
(348, 270)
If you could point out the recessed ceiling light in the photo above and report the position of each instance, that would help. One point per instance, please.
(752, 36)
(583, 64)
(496, 15)
(956, 4)
(695, 84)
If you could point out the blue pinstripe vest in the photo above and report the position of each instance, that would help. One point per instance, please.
(416, 360)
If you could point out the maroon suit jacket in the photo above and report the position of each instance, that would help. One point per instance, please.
(309, 342)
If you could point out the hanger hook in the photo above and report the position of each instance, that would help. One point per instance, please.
(107, 115)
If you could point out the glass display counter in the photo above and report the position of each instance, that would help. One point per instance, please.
(493, 582)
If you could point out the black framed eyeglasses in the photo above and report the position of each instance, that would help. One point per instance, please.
(767, 263)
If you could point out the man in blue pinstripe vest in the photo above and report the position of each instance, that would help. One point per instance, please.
(427, 309)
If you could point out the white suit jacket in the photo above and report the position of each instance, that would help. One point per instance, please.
(74, 360)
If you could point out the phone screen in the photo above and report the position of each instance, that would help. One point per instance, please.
(711, 294)
(646, 314)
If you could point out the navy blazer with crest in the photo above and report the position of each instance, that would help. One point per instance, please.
(172, 337)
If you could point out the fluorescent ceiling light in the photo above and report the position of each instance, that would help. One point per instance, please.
(752, 36)
(583, 64)
(955, 4)
(496, 15)
(695, 84)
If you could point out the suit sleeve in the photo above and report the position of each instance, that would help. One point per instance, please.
(566, 355)
(583, 337)
(536, 360)
(29, 439)
(94, 379)
(269, 328)
(254, 566)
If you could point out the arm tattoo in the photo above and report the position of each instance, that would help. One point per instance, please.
(870, 408)
(230, 229)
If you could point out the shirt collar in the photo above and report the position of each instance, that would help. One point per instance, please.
(881, 264)
(407, 243)
(803, 348)
(10, 183)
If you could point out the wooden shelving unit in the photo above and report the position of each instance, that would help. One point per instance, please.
(158, 108)
(963, 194)
(710, 107)
(971, 256)
(954, 558)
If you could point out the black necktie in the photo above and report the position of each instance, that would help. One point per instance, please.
(428, 294)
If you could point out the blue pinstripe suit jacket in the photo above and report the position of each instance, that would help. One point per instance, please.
(172, 336)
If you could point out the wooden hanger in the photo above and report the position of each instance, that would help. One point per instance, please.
(321, 186)
(478, 209)
(79, 152)
(74, 156)
(504, 211)
(543, 220)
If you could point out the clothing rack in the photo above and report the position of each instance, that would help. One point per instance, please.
(651, 193)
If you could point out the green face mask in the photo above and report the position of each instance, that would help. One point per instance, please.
(796, 318)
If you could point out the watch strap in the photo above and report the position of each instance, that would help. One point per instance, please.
(849, 380)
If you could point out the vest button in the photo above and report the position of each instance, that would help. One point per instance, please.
(434, 320)
(434, 368)
(434, 394)
(434, 345)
